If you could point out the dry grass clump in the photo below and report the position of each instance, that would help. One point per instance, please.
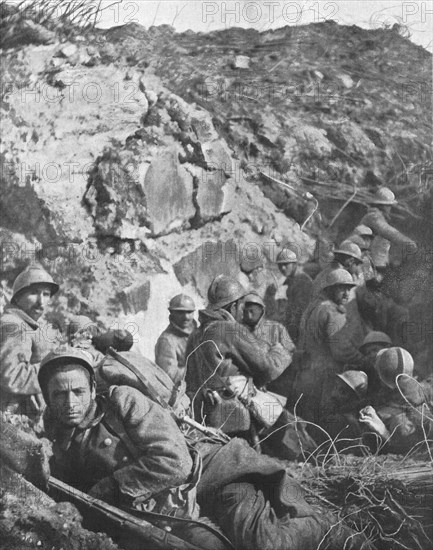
(43, 21)
(389, 498)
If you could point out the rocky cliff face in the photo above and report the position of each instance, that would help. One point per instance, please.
(126, 192)
(136, 163)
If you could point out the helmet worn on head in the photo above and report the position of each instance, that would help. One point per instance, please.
(391, 362)
(32, 275)
(223, 291)
(385, 196)
(181, 302)
(254, 298)
(376, 337)
(79, 323)
(286, 256)
(338, 277)
(359, 241)
(61, 356)
(348, 248)
(363, 231)
(357, 380)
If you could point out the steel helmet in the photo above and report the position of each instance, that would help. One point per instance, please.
(181, 302)
(384, 195)
(338, 277)
(357, 380)
(376, 337)
(363, 231)
(254, 298)
(286, 256)
(349, 248)
(224, 290)
(32, 275)
(391, 362)
(79, 323)
(61, 356)
(359, 241)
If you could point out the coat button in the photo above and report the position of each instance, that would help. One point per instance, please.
(107, 442)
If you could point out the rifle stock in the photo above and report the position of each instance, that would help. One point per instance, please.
(136, 533)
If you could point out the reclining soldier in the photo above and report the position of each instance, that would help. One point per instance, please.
(128, 451)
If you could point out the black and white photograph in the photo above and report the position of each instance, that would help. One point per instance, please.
(216, 280)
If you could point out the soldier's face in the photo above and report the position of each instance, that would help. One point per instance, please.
(183, 319)
(340, 294)
(34, 300)
(252, 314)
(70, 395)
(287, 269)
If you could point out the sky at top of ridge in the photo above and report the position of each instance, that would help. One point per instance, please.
(414, 16)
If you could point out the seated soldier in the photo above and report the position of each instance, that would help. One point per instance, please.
(325, 346)
(398, 423)
(128, 451)
(227, 364)
(343, 398)
(24, 340)
(278, 441)
(171, 345)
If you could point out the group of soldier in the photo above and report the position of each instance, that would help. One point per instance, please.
(275, 370)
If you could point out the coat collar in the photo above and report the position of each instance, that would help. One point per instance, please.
(22, 315)
(181, 331)
(63, 435)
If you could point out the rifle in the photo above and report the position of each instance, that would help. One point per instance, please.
(136, 532)
(150, 392)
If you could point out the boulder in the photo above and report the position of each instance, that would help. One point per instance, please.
(210, 259)
(168, 188)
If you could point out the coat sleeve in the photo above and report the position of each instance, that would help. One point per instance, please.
(260, 361)
(338, 338)
(165, 356)
(285, 339)
(17, 375)
(165, 461)
(377, 222)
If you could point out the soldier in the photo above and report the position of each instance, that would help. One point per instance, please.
(265, 329)
(171, 345)
(221, 352)
(324, 344)
(347, 256)
(282, 439)
(296, 288)
(399, 423)
(366, 233)
(23, 341)
(344, 396)
(367, 268)
(379, 311)
(377, 219)
(127, 450)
